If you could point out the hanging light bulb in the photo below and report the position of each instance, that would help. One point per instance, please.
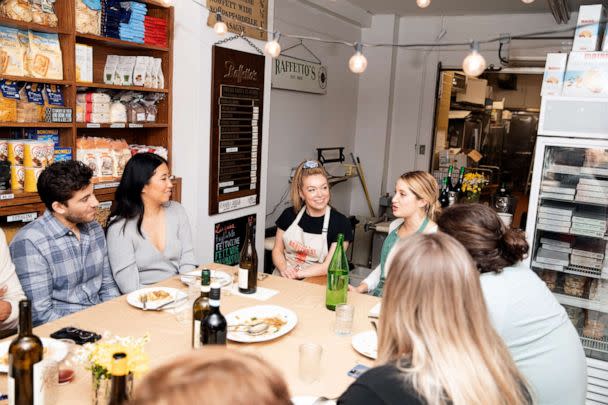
(528, 1)
(273, 48)
(220, 27)
(166, 3)
(358, 62)
(424, 3)
(474, 64)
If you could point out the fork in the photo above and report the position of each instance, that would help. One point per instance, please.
(144, 301)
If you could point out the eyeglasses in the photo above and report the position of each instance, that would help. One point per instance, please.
(310, 164)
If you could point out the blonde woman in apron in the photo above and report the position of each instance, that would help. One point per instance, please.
(415, 205)
(306, 232)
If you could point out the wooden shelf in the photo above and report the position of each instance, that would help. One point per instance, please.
(96, 39)
(35, 80)
(9, 22)
(116, 87)
(126, 126)
(41, 124)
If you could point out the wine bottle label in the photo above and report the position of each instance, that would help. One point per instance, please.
(196, 343)
(243, 278)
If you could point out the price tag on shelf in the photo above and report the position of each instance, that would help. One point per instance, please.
(100, 186)
(118, 125)
(27, 217)
(93, 125)
(136, 125)
(7, 196)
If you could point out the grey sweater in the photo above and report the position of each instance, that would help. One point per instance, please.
(136, 262)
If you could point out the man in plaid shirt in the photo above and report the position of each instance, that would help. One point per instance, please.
(61, 258)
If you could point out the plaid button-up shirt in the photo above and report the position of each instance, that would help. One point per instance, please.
(59, 273)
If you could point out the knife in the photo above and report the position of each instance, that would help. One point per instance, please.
(160, 307)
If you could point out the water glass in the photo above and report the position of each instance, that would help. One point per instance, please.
(310, 362)
(344, 319)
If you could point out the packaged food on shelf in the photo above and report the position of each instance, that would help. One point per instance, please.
(121, 155)
(159, 78)
(9, 94)
(553, 79)
(3, 150)
(17, 177)
(5, 175)
(131, 27)
(574, 285)
(30, 181)
(595, 325)
(84, 63)
(550, 279)
(126, 65)
(43, 13)
(19, 10)
(44, 56)
(62, 154)
(587, 36)
(35, 153)
(144, 71)
(93, 97)
(110, 75)
(11, 52)
(106, 157)
(42, 135)
(598, 291)
(159, 150)
(88, 16)
(155, 31)
(30, 107)
(139, 71)
(576, 315)
(586, 75)
(85, 153)
(15, 151)
(118, 112)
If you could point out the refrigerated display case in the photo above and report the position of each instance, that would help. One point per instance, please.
(567, 225)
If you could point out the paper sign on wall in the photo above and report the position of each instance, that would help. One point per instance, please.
(295, 74)
(241, 15)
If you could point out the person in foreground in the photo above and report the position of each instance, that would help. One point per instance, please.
(10, 289)
(534, 326)
(61, 258)
(213, 375)
(149, 237)
(415, 205)
(307, 231)
(436, 344)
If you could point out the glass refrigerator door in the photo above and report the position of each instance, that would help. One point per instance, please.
(568, 232)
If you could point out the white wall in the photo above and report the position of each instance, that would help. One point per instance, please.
(191, 124)
(302, 122)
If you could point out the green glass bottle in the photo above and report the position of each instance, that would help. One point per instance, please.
(200, 308)
(337, 277)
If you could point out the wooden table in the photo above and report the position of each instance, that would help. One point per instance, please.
(169, 337)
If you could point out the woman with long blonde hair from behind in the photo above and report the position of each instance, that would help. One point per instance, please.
(436, 344)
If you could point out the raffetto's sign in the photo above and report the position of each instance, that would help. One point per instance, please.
(295, 74)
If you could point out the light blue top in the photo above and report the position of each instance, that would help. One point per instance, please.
(539, 335)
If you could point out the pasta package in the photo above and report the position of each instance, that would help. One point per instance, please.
(43, 13)
(88, 16)
(19, 10)
(44, 59)
(11, 52)
(85, 153)
(105, 159)
(9, 94)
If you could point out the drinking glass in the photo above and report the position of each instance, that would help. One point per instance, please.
(68, 364)
(344, 319)
(310, 362)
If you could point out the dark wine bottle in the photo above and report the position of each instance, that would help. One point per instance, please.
(119, 394)
(248, 263)
(501, 199)
(214, 326)
(459, 192)
(452, 192)
(23, 354)
(200, 308)
(443, 196)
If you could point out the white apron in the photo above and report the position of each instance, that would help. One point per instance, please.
(303, 249)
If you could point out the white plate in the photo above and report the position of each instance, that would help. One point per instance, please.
(375, 311)
(54, 349)
(308, 400)
(245, 315)
(217, 276)
(175, 294)
(366, 343)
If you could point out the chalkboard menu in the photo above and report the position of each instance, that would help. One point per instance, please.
(229, 236)
(236, 131)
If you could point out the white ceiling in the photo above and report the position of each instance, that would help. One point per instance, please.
(460, 7)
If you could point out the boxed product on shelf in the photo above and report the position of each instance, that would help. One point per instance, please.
(595, 325)
(565, 242)
(42, 135)
(594, 200)
(44, 57)
(586, 75)
(11, 52)
(557, 196)
(593, 248)
(563, 169)
(556, 248)
(558, 189)
(550, 278)
(593, 182)
(552, 257)
(574, 285)
(17, 177)
(37, 153)
(88, 16)
(553, 79)
(62, 154)
(554, 217)
(547, 266)
(584, 261)
(595, 171)
(3, 150)
(15, 152)
(155, 31)
(587, 36)
(84, 63)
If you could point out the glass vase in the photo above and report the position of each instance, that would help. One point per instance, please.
(471, 198)
(102, 387)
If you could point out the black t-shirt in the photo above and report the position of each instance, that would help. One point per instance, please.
(338, 223)
(384, 385)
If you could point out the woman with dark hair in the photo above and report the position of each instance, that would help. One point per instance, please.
(149, 236)
(524, 312)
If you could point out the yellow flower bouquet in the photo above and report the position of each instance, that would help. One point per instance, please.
(472, 184)
(97, 357)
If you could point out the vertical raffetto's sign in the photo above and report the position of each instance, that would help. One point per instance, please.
(241, 16)
(229, 237)
(237, 99)
(295, 74)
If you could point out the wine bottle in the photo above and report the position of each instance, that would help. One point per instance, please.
(120, 370)
(248, 263)
(452, 193)
(443, 196)
(501, 199)
(459, 192)
(214, 326)
(23, 355)
(337, 277)
(200, 308)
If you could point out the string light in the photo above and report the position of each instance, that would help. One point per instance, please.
(358, 62)
(167, 3)
(423, 3)
(273, 48)
(220, 26)
(528, 1)
(474, 64)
